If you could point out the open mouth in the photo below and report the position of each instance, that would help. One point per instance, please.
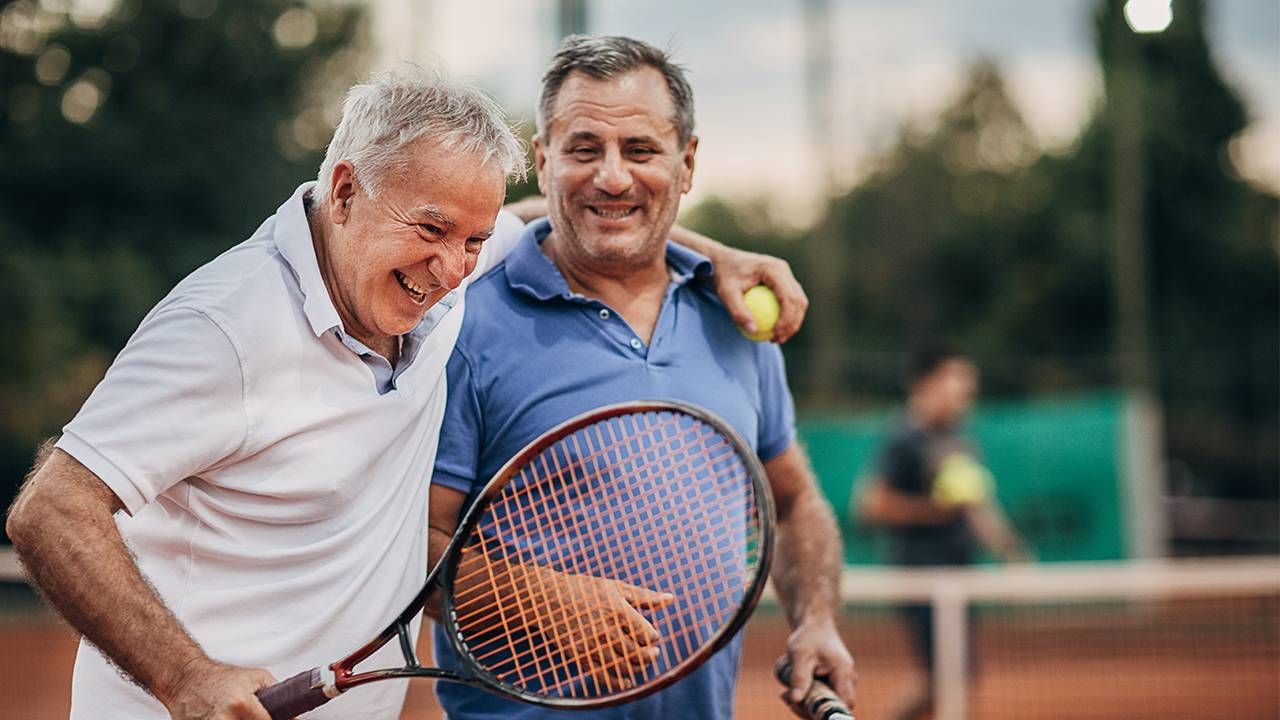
(613, 213)
(416, 293)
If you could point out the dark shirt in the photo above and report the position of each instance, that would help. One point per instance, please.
(909, 463)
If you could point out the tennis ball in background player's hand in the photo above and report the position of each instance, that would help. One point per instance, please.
(961, 481)
(764, 307)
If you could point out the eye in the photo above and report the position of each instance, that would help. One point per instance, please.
(431, 229)
(583, 153)
(641, 154)
(474, 245)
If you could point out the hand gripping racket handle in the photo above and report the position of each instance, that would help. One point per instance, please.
(821, 703)
(301, 693)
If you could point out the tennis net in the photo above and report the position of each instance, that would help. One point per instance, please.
(1184, 640)
(1173, 640)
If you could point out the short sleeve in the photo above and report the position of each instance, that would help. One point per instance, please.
(901, 463)
(778, 409)
(459, 450)
(169, 407)
(506, 235)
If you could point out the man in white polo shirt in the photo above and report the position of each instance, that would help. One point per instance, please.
(270, 428)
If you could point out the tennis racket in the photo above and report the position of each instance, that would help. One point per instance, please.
(608, 559)
(821, 703)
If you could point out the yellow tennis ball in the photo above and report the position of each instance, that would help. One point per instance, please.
(961, 481)
(764, 307)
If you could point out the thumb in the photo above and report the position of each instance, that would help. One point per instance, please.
(801, 676)
(731, 294)
(643, 598)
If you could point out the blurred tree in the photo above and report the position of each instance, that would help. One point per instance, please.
(135, 146)
(972, 232)
(1209, 238)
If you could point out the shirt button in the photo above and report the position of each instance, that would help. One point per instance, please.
(635, 343)
(604, 313)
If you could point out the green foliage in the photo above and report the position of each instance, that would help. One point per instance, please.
(208, 117)
(972, 232)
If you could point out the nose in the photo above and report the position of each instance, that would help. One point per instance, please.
(612, 176)
(449, 266)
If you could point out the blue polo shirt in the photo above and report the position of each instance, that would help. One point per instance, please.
(532, 354)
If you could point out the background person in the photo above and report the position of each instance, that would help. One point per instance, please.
(930, 494)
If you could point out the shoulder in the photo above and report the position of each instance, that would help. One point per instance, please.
(250, 293)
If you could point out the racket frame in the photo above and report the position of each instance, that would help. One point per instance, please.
(441, 577)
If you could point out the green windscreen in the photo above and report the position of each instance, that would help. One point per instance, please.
(1056, 464)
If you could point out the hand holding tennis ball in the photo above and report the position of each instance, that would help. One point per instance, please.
(961, 481)
(764, 308)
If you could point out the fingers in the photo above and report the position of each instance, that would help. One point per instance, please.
(733, 302)
(802, 666)
(249, 708)
(643, 598)
(844, 680)
(797, 710)
(791, 298)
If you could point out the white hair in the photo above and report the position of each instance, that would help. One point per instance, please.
(394, 108)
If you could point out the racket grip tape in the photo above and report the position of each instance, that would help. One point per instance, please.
(821, 703)
(299, 694)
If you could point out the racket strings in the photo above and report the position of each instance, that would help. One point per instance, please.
(484, 592)
(680, 633)
(667, 493)
(523, 493)
(559, 624)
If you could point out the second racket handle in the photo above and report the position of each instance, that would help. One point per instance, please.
(299, 694)
(821, 703)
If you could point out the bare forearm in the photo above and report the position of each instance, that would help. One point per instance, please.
(437, 543)
(64, 532)
(992, 529)
(890, 507)
(807, 567)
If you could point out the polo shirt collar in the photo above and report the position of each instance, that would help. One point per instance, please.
(293, 239)
(530, 271)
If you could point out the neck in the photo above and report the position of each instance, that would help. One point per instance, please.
(608, 282)
(635, 291)
(321, 235)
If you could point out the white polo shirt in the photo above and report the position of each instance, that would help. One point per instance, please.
(275, 481)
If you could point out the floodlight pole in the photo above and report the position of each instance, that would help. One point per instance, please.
(825, 267)
(1128, 208)
(1144, 458)
(571, 19)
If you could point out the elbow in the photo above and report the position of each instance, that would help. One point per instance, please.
(19, 525)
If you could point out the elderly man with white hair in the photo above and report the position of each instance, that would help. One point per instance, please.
(269, 430)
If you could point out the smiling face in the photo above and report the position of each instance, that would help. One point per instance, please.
(387, 259)
(612, 167)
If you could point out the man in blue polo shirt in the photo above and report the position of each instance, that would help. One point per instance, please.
(595, 306)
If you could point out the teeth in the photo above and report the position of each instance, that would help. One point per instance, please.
(613, 214)
(409, 284)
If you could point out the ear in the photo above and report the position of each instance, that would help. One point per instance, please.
(690, 149)
(540, 162)
(342, 187)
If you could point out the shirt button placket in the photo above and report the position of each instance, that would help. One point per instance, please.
(636, 344)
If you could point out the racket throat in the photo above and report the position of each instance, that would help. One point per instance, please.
(328, 682)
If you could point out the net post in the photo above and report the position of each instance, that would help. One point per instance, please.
(950, 652)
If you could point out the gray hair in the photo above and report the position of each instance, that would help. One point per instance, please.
(394, 108)
(607, 57)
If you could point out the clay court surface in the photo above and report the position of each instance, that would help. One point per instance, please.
(1215, 660)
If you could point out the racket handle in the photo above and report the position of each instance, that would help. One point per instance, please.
(821, 703)
(299, 694)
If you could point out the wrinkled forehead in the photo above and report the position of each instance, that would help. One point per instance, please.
(636, 101)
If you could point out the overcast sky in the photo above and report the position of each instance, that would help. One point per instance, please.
(894, 61)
